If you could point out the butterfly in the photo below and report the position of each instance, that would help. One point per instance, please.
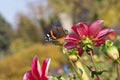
(56, 34)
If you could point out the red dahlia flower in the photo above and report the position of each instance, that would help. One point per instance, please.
(38, 73)
(87, 36)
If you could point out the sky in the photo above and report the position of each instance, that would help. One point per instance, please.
(9, 8)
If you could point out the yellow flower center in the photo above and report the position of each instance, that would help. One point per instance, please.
(87, 43)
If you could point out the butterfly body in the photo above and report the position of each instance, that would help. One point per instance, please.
(56, 34)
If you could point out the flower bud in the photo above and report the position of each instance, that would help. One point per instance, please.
(112, 52)
(74, 58)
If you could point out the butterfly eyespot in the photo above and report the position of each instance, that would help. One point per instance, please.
(48, 35)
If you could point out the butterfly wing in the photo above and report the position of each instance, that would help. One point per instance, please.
(57, 33)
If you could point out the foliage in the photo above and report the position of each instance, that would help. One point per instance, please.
(19, 44)
(89, 10)
(16, 65)
(5, 35)
(28, 30)
(78, 9)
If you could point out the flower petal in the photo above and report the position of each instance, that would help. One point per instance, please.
(29, 76)
(104, 32)
(74, 28)
(99, 42)
(36, 67)
(95, 27)
(72, 38)
(45, 67)
(80, 51)
(70, 45)
(81, 29)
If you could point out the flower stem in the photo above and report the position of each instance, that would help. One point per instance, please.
(73, 65)
(92, 59)
(83, 62)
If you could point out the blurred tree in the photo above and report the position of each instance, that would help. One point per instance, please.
(89, 10)
(5, 35)
(78, 9)
(28, 30)
(108, 11)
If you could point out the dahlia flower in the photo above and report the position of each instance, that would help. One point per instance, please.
(38, 73)
(87, 36)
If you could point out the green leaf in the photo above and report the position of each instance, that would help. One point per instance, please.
(73, 52)
(103, 48)
(100, 72)
(93, 73)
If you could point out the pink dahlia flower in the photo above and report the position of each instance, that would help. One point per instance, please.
(38, 73)
(87, 36)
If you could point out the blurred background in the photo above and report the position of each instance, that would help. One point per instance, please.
(24, 24)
